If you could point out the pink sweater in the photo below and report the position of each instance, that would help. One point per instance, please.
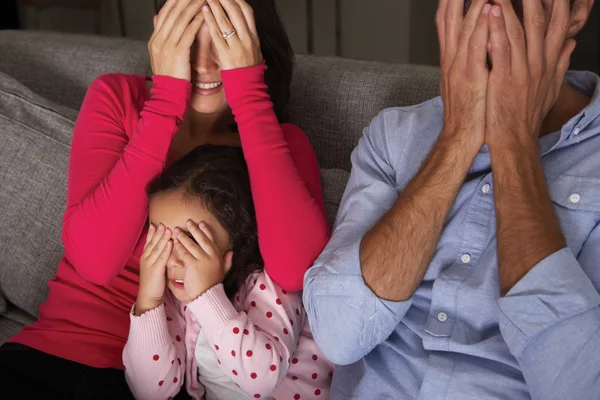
(261, 343)
(121, 142)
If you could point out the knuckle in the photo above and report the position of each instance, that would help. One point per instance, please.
(449, 16)
(538, 20)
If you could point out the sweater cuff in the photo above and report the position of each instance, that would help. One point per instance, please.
(213, 309)
(170, 96)
(237, 82)
(150, 329)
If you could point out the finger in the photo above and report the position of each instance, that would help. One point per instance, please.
(479, 40)
(441, 27)
(564, 60)
(248, 16)
(157, 250)
(183, 21)
(183, 252)
(513, 29)
(223, 22)
(155, 239)
(534, 21)
(150, 234)
(164, 255)
(203, 239)
(163, 13)
(501, 52)
(453, 24)
(171, 18)
(468, 27)
(188, 37)
(557, 31)
(192, 247)
(215, 33)
(236, 18)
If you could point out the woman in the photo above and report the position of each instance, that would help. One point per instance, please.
(207, 60)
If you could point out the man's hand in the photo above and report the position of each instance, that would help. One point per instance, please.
(528, 69)
(205, 265)
(395, 254)
(463, 51)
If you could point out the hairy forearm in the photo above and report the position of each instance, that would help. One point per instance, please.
(527, 228)
(396, 252)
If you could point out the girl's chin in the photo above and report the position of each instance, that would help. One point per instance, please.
(179, 294)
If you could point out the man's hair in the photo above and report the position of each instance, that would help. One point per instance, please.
(217, 177)
(276, 50)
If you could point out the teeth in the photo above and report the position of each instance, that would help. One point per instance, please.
(179, 280)
(207, 86)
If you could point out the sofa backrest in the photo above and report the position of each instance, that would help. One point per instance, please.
(333, 99)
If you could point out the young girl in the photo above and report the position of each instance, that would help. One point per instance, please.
(223, 326)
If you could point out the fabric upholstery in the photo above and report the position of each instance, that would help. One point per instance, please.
(45, 79)
(34, 152)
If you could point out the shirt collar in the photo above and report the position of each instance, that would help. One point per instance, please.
(583, 125)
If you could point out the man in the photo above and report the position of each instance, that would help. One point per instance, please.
(445, 280)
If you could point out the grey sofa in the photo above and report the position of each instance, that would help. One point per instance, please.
(43, 79)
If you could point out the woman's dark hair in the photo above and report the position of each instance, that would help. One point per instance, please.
(277, 52)
(217, 177)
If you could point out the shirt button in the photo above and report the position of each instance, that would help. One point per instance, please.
(486, 188)
(442, 317)
(577, 131)
(575, 198)
(466, 258)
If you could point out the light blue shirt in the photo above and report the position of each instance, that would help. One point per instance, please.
(456, 338)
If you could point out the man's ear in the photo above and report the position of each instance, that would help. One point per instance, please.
(228, 261)
(580, 12)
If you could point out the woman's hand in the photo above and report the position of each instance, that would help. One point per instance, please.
(175, 30)
(153, 269)
(233, 30)
(205, 267)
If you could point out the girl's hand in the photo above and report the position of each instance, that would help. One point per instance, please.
(205, 267)
(175, 29)
(153, 269)
(233, 30)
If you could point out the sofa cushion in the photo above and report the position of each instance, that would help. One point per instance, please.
(34, 152)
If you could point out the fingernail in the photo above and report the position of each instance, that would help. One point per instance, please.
(189, 222)
(486, 9)
(497, 11)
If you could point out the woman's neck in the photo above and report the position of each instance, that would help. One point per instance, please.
(200, 129)
(205, 127)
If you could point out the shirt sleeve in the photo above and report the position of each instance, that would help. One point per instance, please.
(550, 321)
(285, 180)
(155, 355)
(254, 347)
(109, 171)
(347, 319)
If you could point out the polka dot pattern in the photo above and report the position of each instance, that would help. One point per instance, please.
(156, 357)
(236, 330)
(253, 375)
(249, 353)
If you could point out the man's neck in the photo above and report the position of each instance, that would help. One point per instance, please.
(569, 103)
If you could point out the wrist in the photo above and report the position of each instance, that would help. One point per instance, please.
(144, 304)
(457, 147)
